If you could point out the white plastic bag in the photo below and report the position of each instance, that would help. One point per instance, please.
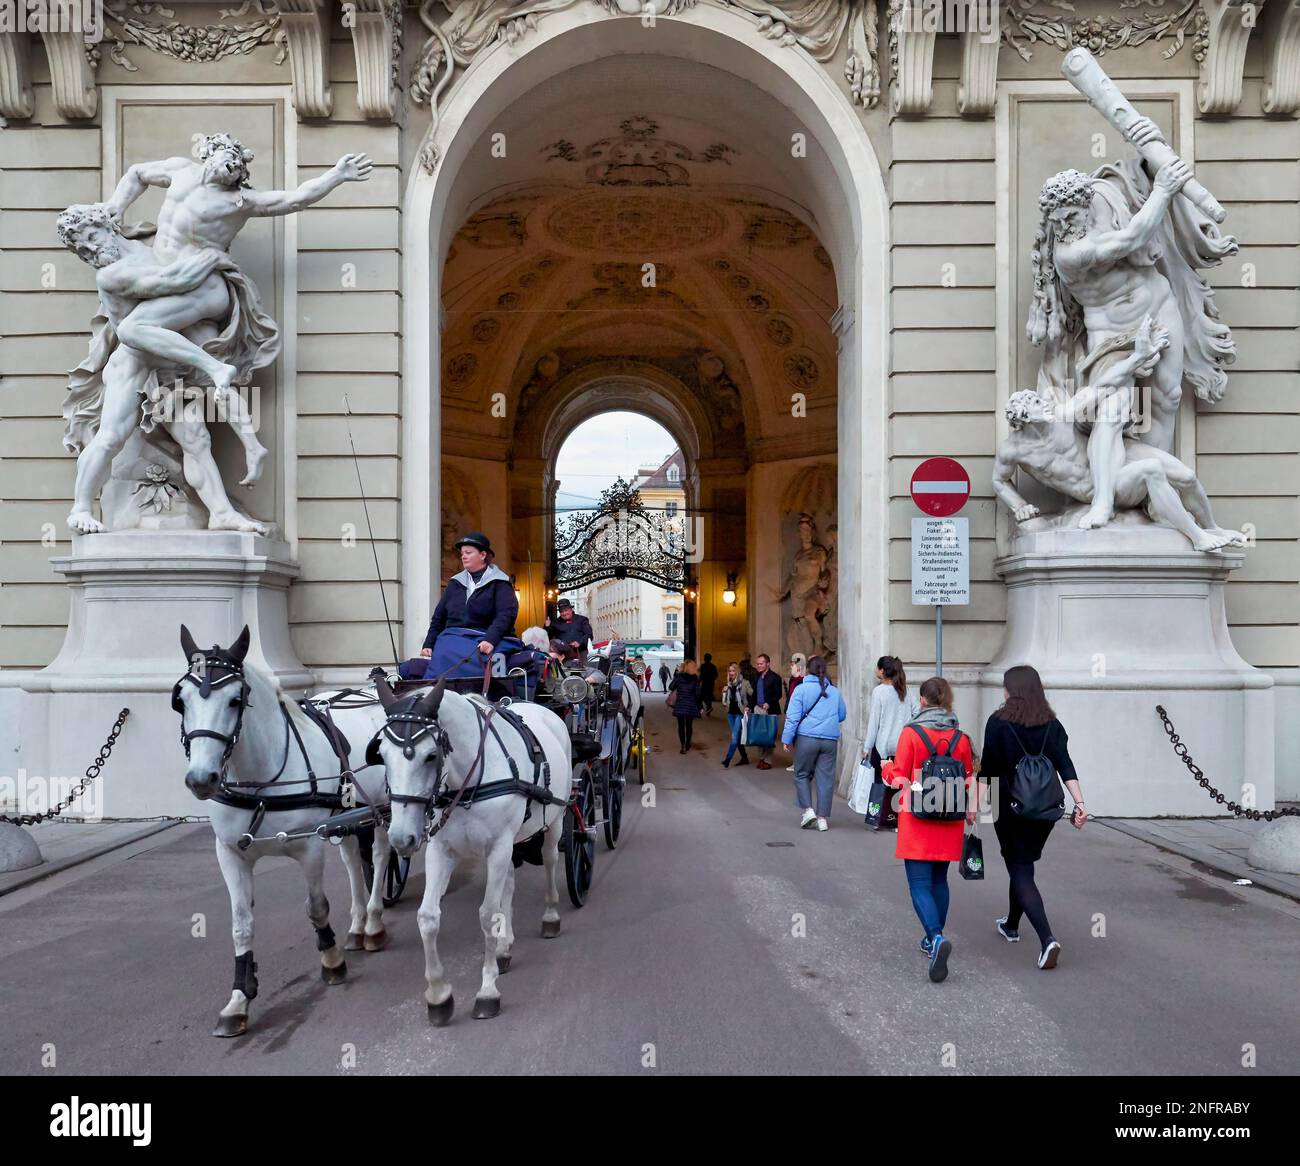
(860, 790)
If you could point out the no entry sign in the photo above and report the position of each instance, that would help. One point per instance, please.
(940, 486)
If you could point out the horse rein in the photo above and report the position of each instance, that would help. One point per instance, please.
(206, 685)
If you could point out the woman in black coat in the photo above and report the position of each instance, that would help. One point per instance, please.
(1025, 725)
(686, 701)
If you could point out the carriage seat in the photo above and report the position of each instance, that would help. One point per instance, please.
(586, 747)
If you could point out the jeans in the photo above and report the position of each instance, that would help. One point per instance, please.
(814, 760)
(737, 723)
(928, 882)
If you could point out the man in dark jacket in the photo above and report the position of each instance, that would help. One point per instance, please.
(708, 683)
(572, 631)
(767, 699)
(480, 598)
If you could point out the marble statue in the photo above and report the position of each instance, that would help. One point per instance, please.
(805, 587)
(1047, 445)
(831, 587)
(1117, 256)
(175, 306)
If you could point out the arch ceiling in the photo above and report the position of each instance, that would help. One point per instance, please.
(625, 162)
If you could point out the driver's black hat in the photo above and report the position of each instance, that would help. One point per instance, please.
(475, 539)
(565, 603)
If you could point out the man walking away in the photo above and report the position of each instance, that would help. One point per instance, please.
(664, 676)
(708, 683)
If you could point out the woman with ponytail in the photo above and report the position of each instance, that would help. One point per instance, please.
(812, 728)
(893, 705)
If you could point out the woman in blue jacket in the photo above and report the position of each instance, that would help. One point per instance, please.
(478, 609)
(812, 727)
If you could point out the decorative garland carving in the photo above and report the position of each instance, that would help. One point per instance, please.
(200, 43)
(1022, 26)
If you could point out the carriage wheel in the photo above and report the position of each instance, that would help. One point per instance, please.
(395, 877)
(639, 754)
(614, 810)
(579, 846)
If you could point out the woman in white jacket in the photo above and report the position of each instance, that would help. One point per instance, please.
(892, 707)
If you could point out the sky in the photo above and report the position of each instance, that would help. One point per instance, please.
(604, 448)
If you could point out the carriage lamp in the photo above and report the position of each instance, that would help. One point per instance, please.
(729, 592)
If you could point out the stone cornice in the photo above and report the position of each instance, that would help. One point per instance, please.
(1281, 93)
(16, 98)
(306, 25)
(1229, 25)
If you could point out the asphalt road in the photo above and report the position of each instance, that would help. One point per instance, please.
(704, 948)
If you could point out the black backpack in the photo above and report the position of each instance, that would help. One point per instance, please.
(1034, 790)
(942, 796)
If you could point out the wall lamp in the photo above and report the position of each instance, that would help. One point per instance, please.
(729, 593)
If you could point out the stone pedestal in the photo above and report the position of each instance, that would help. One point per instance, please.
(131, 591)
(1118, 621)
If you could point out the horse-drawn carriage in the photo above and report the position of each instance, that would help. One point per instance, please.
(517, 761)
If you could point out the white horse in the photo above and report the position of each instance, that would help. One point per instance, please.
(248, 743)
(437, 747)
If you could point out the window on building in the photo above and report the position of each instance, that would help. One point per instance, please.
(670, 508)
(670, 623)
(674, 474)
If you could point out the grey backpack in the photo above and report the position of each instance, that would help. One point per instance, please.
(1034, 789)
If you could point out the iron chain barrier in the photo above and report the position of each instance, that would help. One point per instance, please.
(92, 772)
(1204, 782)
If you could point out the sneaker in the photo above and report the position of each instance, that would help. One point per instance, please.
(764, 765)
(940, 950)
(726, 764)
(925, 946)
(1049, 955)
(1011, 935)
(822, 824)
(809, 818)
(789, 769)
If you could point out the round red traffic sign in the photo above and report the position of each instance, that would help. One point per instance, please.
(940, 486)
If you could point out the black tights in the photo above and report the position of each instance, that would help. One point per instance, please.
(684, 727)
(1024, 899)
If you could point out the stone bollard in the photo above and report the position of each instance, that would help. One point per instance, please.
(18, 849)
(1277, 846)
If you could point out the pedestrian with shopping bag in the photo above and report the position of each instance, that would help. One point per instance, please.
(812, 730)
(933, 769)
(736, 696)
(893, 705)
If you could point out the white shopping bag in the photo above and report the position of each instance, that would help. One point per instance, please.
(860, 790)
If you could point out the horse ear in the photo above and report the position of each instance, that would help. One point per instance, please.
(429, 706)
(188, 646)
(239, 649)
(383, 689)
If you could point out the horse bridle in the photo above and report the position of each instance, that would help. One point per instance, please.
(428, 727)
(206, 684)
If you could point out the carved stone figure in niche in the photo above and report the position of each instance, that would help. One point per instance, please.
(721, 393)
(831, 612)
(180, 306)
(805, 587)
(1046, 444)
(1113, 248)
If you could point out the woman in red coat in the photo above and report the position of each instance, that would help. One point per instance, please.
(927, 847)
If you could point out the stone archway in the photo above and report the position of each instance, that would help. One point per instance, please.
(844, 194)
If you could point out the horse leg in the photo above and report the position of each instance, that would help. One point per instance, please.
(350, 852)
(238, 873)
(551, 869)
(333, 967)
(488, 1001)
(506, 941)
(438, 865)
(376, 935)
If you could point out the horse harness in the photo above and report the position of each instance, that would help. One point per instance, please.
(216, 671)
(473, 788)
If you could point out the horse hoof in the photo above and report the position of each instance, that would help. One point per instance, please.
(354, 942)
(503, 964)
(231, 1026)
(550, 929)
(334, 975)
(486, 1009)
(440, 1014)
(376, 942)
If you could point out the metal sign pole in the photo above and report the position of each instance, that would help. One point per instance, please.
(938, 639)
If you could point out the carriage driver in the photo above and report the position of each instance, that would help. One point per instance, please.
(478, 600)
